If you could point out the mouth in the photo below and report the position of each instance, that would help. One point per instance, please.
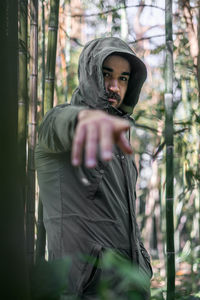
(113, 98)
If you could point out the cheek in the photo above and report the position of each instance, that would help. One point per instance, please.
(123, 91)
(106, 84)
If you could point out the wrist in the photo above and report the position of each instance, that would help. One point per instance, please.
(82, 114)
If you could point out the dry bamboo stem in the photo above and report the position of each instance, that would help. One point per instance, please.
(32, 131)
(41, 233)
(48, 103)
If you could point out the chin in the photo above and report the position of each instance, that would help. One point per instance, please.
(114, 105)
(117, 105)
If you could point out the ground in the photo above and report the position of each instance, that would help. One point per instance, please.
(187, 281)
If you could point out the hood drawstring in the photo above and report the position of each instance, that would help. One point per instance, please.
(132, 121)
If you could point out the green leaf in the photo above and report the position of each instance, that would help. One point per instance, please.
(48, 279)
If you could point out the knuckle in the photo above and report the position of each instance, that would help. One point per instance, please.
(80, 126)
(90, 149)
(77, 141)
(92, 139)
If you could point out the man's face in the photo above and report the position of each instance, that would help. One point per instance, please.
(116, 72)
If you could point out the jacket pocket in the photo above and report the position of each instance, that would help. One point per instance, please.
(90, 275)
(145, 263)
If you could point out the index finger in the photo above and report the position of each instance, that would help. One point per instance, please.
(91, 145)
(106, 140)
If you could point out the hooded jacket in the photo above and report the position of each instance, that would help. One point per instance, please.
(89, 210)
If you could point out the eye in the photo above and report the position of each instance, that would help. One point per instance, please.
(123, 78)
(106, 74)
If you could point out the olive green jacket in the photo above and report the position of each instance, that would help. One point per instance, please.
(88, 210)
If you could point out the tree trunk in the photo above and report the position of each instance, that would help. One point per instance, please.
(30, 209)
(169, 153)
(14, 279)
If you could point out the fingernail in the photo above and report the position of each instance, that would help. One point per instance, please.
(75, 162)
(90, 163)
(106, 155)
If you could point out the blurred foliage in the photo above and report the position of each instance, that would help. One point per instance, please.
(49, 279)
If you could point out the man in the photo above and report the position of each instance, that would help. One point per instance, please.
(86, 174)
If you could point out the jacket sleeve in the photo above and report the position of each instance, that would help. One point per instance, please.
(57, 128)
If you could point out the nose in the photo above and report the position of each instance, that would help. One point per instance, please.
(113, 86)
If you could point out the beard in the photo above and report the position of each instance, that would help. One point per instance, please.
(113, 95)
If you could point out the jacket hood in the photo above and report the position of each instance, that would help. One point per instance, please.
(91, 90)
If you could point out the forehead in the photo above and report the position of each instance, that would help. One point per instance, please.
(117, 62)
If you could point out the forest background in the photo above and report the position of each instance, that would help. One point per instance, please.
(50, 37)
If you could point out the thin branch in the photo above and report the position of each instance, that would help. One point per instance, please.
(159, 149)
(146, 127)
(116, 9)
(153, 36)
(123, 7)
(132, 42)
(194, 7)
(181, 130)
(70, 38)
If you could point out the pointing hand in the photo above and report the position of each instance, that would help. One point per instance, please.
(94, 128)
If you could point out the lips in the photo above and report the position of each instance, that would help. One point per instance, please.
(112, 100)
(113, 97)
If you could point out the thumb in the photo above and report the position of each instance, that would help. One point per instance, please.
(120, 126)
(124, 144)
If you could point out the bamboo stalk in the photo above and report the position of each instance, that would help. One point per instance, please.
(43, 55)
(198, 78)
(48, 104)
(32, 130)
(41, 233)
(14, 284)
(22, 94)
(124, 22)
(51, 55)
(169, 153)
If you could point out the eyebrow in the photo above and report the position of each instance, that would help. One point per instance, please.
(111, 70)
